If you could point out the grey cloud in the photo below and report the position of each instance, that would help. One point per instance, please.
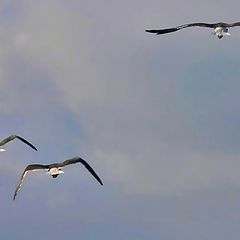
(123, 109)
(84, 78)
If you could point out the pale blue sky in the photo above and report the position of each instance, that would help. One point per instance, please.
(157, 117)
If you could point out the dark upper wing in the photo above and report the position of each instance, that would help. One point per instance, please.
(169, 30)
(7, 139)
(236, 24)
(25, 141)
(80, 160)
(31, 167)
(12, 137)
(69, 161)
(162, 31)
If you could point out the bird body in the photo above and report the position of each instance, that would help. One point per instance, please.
(54, 170)
(220, 28)
(221, 31)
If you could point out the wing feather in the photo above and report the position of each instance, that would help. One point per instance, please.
(12, 137)
(31, 167)
(86, 165)
(25, 141)
(7, 139)
(169, 30)
(236, 24)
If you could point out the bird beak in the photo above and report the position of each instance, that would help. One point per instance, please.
(2, 150)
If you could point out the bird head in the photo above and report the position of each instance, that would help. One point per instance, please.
(60, 171)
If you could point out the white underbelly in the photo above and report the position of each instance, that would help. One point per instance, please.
(53, 171)
(218, 30)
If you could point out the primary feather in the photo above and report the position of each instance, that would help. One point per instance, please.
(12, 137)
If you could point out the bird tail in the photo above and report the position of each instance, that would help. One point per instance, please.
(226, 34)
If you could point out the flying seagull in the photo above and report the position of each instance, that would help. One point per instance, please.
(54, 170)
(12, 137)
(220, 29)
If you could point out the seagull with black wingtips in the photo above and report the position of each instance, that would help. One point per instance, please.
(220, 28)
(54, 170)
(12, 137)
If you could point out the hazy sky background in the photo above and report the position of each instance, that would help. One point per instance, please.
(157, 117)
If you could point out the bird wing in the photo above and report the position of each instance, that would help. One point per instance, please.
(7, 139)
(12, 137)
(236, 24)
(32, 167)
(86, 165)
(25, 141)
(169, 30)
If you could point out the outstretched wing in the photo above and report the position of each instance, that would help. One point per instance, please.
(7, 139)
(169, 30)
(236, 24)
(32, 167)
(12, 137)
(80, 160)
(162, 31)
(25, 141)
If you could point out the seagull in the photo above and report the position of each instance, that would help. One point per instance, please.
(220, 29)
(12, 137)
(54, 170)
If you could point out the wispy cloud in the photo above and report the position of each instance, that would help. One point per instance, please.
(157, 117)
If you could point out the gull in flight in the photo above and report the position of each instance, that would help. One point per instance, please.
(54, 170)
(219, 29)
(12, 137)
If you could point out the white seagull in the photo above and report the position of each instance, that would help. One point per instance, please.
(220, 29)
(54, 170)
(12, 137)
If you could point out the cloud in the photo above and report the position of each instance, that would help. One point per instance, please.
(156, 117)
(135, 116)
